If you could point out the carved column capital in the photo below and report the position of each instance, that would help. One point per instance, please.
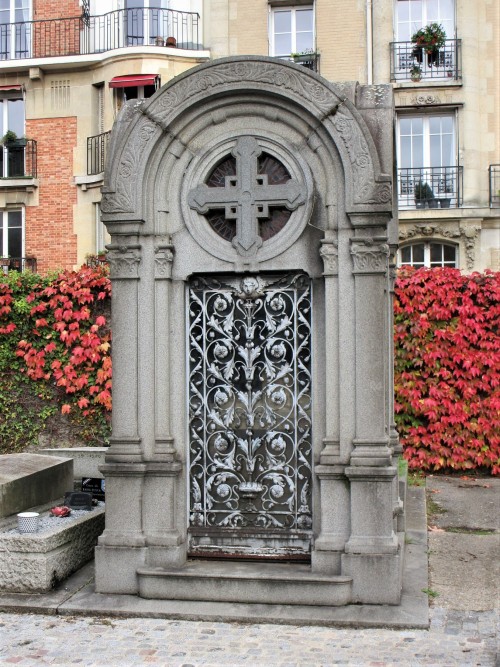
(124, 262)
(370, 255)
(164, 258)
(330, 255)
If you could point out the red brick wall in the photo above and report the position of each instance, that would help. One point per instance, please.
(55, 9)
(49, 226)
(56, 38)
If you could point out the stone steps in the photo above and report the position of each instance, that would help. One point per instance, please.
(247, 582)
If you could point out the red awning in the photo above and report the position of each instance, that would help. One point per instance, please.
(133, 80)
(12, 86)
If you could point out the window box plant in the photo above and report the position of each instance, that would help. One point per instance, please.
(305, 58)
(429, 39)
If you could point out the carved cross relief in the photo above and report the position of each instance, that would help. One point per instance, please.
(247, 196)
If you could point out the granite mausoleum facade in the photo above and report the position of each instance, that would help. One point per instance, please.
(250, 207)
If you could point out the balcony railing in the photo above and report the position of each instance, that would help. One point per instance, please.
(430, 187)
(83, 35)
(309, 60)
(446, 63)
(96, 153)
(17, 264)
(18, 159)
(494, 185)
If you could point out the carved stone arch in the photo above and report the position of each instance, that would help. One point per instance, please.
(328, 112)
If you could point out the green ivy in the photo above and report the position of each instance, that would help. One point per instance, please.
(31, 408)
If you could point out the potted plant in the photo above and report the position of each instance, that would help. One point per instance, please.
(171, 42)
(9, 137)
(431, 38)
(416, 73)
(445, 202)
(306, 58)
(159, 41)
(423, 195)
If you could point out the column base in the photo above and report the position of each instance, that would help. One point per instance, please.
(376, 579)
(116, 569)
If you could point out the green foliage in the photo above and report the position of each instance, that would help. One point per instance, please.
(55, 364)
(447, 369)
(423, 191)
(430, 592)
(431, 37)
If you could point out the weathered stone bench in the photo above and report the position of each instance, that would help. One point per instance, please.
(36, 562)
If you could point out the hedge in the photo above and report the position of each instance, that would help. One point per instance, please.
(447, 369)
(54, 355)
(55, 348)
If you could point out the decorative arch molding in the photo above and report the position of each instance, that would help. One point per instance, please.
(211, 92)
(458, 235)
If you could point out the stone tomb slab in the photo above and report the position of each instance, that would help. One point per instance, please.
(86, 460)
(27, 480)
(36, 562)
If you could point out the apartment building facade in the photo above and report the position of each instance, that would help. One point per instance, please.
(67, 66)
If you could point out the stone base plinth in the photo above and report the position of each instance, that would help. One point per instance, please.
(264, 583)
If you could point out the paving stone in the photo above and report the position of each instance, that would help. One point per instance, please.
(27, 639)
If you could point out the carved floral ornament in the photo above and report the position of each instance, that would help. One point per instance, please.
(464, 235)
(124, 262)
(164, 257)
(123, 198)
(370, 255)
(330, 255)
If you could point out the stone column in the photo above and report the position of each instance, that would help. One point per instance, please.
(372, 549)
(161, 482)
(399, 488)
(124, 469)
(334, 488)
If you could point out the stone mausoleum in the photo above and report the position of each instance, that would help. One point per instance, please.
(250, 207)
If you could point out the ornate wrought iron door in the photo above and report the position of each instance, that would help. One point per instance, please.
(250, 416)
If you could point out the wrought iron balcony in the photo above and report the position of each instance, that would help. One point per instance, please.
(494, 185)
(96, 153)
(430, 187)
(309, 60)
(408, 61)
(18, 159)
(81, 35)
(18, 264)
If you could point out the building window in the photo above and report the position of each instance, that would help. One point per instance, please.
(12, 153)
(429, 254)
(292, 30)
(427, 165)
(144, 21)
(411, 15)
(11, 234)
(133, 87)
(15, 39)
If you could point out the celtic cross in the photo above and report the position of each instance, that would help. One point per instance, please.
(246, 196)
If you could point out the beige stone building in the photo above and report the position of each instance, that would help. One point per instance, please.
(66, 66)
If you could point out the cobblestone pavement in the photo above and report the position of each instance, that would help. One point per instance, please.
(455, 638)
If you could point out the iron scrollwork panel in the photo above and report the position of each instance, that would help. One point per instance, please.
(250, 403)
